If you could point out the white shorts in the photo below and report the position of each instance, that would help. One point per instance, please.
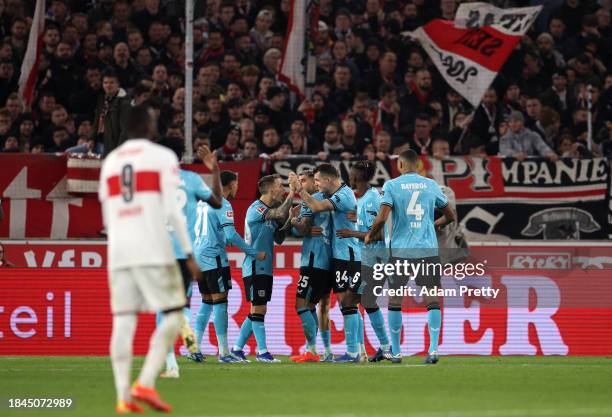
(146, 288)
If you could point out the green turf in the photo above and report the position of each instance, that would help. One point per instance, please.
(456, 387)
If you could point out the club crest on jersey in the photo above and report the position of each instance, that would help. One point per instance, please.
(229, 214)
(261, 209)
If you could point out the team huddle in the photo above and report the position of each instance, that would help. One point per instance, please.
(140, 182)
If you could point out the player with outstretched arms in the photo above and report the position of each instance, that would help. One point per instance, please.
(346, 252)
(316, 281)
(412, 199)
(263, 225)
(138, 187)
(215, 230)
(368, 206)
(192, 189)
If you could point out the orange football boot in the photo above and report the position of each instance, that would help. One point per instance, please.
(150, 397)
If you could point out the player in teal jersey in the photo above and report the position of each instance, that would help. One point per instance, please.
(316, 281)
(215, 229)
(346, 252)
(412, 200)
(191, 190)
(265, 223)
(368, 205)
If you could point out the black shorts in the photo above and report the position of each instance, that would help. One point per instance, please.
(258, 289)
(347, 274)
(186, 274)
(427, 277)
(313, 284)
(215, 281)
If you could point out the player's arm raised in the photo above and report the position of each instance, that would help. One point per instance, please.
(316, 206)
(210, 160)
(174, 214)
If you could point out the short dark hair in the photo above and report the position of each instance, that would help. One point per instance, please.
(307, 172)
(266, 182)
(110, 72)
(176, 145)
(366, 168)
(409, 155)
(227, 177)
(327, 170)
(386, 89)
(138, 118)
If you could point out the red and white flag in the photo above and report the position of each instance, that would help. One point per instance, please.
(29, 66)
(292, 70)
(470, 51)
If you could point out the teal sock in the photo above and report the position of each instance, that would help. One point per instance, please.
(259, 329)
(395, 327)
(434, 320)
(187, 314)
(351, 326)
(171, 360)
(201, 322)
(360, 335)
(308, 326)
(326, 339)
(220, 322)
(245, 332)
(378, 324)
(315, 317)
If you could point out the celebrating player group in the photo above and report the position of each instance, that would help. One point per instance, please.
(166, 228)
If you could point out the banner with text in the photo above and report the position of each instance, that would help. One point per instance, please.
(50, 312)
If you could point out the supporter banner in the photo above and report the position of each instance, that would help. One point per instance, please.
(38, 202)
(504, 199)
(512, 21)
(50, 312)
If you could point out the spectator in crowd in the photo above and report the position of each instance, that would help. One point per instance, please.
(520, 142)
(367, 80)
(109, 119)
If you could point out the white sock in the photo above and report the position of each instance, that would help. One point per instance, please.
(161, 340)
(124, 327)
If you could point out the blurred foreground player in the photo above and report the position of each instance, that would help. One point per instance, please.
(412, 200)
(138, 188)
(192, 190)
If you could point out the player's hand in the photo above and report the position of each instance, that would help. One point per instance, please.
(207, 156)
(367, 239)
(261, 256)
(294, 183)
(295, 211)
(316, 231)
(193, 268)
(344, 233)
(352, 216)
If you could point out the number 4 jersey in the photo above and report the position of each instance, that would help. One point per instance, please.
(138, 187)
(413, 200)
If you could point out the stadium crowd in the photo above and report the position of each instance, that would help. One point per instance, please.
(376, 92)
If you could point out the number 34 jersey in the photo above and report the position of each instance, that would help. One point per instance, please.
(413, 199)
(138, 191)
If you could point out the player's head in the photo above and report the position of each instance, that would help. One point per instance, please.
(271, 187)
(140, 123)
(307, 181)
(175, 144)
(361, 172)
(326, 178)
(407, 161)
(229, 181)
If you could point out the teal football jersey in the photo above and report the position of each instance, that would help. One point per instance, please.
(344, 202)
(259, 233)
(191, 190)
(316, 250)
(413, 199)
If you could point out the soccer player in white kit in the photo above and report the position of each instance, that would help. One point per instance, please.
(138, 187)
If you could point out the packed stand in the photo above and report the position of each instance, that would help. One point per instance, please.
(375, 95)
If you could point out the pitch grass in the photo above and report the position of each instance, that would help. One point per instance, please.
(456, 387)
